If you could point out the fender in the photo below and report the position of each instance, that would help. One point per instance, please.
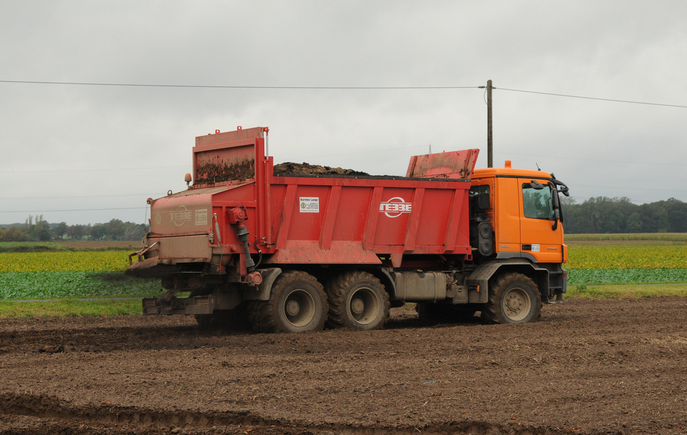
(478, 281)
(262, 292)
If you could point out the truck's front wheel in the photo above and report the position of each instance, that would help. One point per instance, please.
(513, 298)
(297, 304)
(357, 300)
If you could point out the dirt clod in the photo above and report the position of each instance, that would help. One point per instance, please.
(51, 349)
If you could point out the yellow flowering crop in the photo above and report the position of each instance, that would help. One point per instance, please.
(627, 257)
(86, 261)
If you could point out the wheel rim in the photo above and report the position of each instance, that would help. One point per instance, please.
(517, 304)
(364, 306)
(299, 308)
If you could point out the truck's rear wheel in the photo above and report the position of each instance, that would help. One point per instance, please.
(513, 298)
(297, 304)
(357, 300)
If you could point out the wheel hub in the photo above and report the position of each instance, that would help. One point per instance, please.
(293, 308)
(357, 306)
(516, 304)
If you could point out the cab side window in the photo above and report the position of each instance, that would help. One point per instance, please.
(537, 202)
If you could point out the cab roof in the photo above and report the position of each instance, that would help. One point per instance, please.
(508, 171)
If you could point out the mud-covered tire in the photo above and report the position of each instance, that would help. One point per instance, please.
(357, 300)
(297, 304)
(433, 313)
(513, 298)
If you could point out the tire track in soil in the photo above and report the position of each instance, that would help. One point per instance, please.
(50, 415)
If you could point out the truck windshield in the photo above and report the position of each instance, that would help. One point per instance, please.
(537, 202)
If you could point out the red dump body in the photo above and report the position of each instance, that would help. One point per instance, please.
(312, 219)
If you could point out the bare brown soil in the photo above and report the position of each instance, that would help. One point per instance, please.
(588, 366)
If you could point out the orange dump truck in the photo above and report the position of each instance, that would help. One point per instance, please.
(295, 252)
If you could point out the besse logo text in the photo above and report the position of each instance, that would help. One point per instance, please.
(180, 216)
(395, 207)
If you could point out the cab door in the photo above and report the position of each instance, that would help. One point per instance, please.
(541, 234)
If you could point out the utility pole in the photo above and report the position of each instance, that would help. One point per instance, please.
(490, 137)
(490, 129)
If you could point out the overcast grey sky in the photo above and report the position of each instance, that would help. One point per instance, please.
(87, 154)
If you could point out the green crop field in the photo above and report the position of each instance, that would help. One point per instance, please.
(627, 263)
(67, 274)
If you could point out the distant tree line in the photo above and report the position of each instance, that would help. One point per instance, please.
(38, 229)
(619, 215)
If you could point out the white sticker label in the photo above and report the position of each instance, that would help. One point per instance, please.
(535, 248)
(202, 217)
(310, 205)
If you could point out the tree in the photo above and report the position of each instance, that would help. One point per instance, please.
(619, 215)
(677, 215)
(78, 232)
(634, 223)
(60, 230)
(134, 231)
(14, 234)
(98, 232)
(115, 229)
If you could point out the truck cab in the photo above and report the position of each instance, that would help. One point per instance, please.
(516, 223)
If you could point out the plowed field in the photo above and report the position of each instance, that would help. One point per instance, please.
(588, 366)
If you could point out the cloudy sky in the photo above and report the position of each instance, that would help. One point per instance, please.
(94, 151)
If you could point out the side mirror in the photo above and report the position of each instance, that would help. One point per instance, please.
(483, 202)
(536, 186)
(480, 198)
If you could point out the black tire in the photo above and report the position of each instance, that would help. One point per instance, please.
(433, 313)
(513, 298)
(357, 300)
(297, 304)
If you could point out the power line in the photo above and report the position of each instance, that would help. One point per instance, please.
(152, 85)
(186, 86)
(582, 97)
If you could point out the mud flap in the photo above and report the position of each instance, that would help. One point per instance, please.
(478, 282)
